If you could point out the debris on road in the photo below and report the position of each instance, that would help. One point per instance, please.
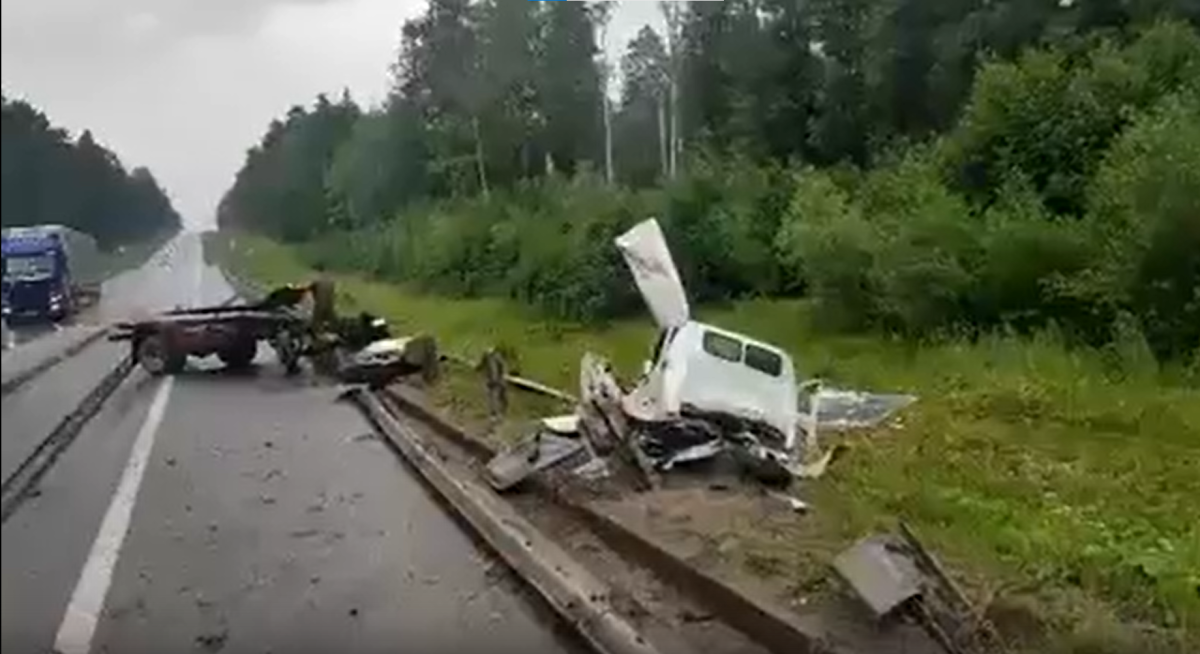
(706, 393)
(213, 642)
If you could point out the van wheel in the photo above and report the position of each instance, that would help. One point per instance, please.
(157, 358)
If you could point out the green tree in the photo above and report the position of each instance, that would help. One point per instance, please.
(48, 178)
(641, 122)
(509, 40)
(841, 131)
(569, 86)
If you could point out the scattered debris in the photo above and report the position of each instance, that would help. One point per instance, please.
(693, 616)
(816, 468)
(898, 578)
(592, 470)
(839, 409)
(213, 642)
(384, 360)
(541, 452)
(794, 503)
(530, 385)
(565, 424)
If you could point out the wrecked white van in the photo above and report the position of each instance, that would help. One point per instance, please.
(705, 390)
(700, 370)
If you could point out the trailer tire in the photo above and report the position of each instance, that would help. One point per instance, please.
(156, 356)
(240, 354)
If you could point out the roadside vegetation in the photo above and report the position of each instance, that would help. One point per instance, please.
(1062, 477)
(991, 205)
(51, 177)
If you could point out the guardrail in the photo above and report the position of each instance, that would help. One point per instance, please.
(773, 627)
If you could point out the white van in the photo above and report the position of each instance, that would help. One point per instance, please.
(701, 369)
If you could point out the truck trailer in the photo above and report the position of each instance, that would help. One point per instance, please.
(50, 272)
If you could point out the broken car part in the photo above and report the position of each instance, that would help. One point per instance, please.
(898, 578)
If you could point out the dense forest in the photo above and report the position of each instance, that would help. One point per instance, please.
(918, 167)
(48, 177)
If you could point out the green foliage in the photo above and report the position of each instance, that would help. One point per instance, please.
(826, 243)
(721, 219)
(1050, 201)
(377, 168)
(281, 189)
(1146, 212)
(1049, 116)
(50, 178)
(903, 251)
(549, 243)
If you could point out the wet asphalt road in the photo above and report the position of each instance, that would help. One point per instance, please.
(253, 513)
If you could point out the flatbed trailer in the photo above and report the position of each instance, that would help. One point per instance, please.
(163, 343)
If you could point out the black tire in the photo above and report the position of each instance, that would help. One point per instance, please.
(240, 354)
(156, 357)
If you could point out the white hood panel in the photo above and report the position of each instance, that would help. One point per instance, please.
(646, 253)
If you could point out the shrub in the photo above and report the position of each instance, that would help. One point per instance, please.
(1145, 211)
(825, 243)
(1049, 117)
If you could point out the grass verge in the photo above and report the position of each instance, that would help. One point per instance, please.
(1066, 481)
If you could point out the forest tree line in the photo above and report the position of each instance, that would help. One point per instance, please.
(51, 178)
(925, 168)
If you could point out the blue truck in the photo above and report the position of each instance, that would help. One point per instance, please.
(50, 272)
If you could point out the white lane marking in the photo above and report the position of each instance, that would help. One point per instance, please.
(79, 623)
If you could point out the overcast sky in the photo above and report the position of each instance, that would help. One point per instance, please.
(186, 86)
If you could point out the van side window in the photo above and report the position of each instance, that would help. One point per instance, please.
(722, 347)
(763, 360)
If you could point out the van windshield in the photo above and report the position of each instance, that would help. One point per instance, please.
(28, 267)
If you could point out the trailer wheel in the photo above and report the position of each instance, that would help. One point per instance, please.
(156, 357)
(240, 354)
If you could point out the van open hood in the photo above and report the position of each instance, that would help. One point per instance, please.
(646, 253)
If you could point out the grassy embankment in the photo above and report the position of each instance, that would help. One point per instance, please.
(1067, 478)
